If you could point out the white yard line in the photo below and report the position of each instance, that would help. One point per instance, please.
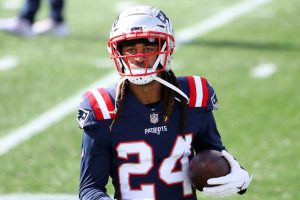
(263, 70)
(50, 117)
(55, 114)
(220, 19)
(8, 62)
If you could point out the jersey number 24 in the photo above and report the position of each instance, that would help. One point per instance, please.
(179, 154)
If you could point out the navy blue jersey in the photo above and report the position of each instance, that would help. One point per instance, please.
(145, 158)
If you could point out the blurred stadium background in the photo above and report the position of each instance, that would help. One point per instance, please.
(249, 53)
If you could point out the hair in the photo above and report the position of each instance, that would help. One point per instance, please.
(168, 98)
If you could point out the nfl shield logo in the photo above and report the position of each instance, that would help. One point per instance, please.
(154, 118)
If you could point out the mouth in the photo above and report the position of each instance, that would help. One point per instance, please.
(140, 66)
(141, 70)
(137, 66)
(136, 71)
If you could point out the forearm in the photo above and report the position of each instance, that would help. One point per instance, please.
(93, 194)
(94, 170)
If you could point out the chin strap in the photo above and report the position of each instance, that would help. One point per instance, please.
(176, 89)
(162, 81)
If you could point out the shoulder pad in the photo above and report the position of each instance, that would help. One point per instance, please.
(101, 103)
(95, 105)
(201, 93)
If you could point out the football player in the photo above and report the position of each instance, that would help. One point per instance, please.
(144, 131)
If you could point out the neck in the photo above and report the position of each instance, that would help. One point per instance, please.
(146, 94)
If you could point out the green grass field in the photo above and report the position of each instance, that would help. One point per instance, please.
(258, 117)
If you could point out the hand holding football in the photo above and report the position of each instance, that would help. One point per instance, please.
(205, 165)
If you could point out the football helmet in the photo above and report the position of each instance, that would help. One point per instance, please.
(142, 23)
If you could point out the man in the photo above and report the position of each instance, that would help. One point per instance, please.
(143, 132)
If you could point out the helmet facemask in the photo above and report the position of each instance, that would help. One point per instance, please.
(142, 74)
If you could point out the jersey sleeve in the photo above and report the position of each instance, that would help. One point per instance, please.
(200, 92)
(94, 117)
(95, 105)
(95, 167)
(208, 136)
(203, 100)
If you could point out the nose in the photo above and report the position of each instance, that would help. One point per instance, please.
(139, 59)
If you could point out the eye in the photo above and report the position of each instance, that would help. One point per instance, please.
(130, 50)
(150, 49)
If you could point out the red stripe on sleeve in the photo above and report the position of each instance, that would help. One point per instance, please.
(192, 87)
(94, 105)
(108, 101)
(205, 92)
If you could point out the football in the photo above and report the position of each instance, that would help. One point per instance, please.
(207, 164)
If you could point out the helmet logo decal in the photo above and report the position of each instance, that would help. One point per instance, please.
(162, 17)
(116, 21)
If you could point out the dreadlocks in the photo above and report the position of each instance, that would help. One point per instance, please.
(168, 98)
(120, 99)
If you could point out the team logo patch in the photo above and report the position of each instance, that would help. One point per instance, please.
(82, 117)
(214, 101)
(154, 118)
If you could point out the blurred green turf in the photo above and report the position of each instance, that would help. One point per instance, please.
(258, 118)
